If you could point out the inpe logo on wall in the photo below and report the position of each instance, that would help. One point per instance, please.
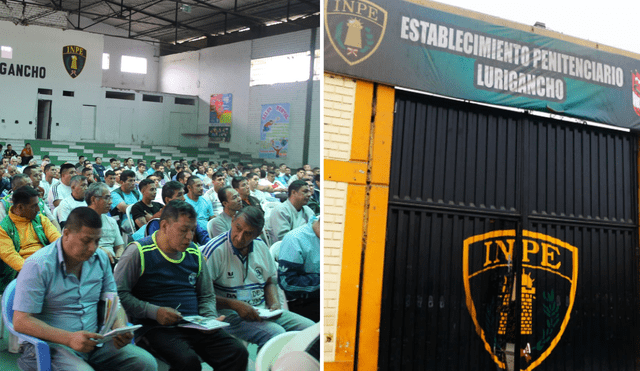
(546, 282)
(635, 94)
(355, 28)
(74, 58)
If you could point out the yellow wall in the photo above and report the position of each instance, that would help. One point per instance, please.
(358, 124)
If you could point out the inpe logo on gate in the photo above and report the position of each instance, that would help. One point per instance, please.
(548, 277)
(355, 28)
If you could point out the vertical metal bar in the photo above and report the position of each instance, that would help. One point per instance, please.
(225, 23)
(235, 6)
(130, 14)
(177, 7)
(307, 118)
(288, 3)
(79, 8)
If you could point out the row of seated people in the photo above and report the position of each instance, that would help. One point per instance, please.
(98, 199)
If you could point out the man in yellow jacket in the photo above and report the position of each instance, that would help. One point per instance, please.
(22, 232)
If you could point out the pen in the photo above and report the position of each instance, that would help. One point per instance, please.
(178, 306)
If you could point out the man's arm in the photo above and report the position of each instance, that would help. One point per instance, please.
(244, 310)
(80, 340)
(271, 294)
(118, 202)
(8, 253)
(280, 223)
(205, 293)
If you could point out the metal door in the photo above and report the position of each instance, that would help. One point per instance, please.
(511, 240)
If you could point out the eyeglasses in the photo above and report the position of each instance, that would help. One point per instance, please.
(106, 198)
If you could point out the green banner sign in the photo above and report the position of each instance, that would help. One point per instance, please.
(414, 46)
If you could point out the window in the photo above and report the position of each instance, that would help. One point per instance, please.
(133, 64)
(105, 61)
(120, 95)
(68, 93)
(283, 69)
(6, 52)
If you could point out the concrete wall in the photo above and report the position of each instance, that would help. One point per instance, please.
(226, 69)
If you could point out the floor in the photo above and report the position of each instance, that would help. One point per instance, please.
(8, 360)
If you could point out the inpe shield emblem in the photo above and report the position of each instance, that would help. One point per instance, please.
(355, 28)
(635, 93)
(74, 58)
(548, 275)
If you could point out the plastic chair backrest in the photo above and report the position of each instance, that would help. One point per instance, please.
(131, 222)
(43, 356)
(271, 350)
(275, 250)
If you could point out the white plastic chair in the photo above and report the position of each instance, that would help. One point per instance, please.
(274, 250)
(132, 224)
(271, 350)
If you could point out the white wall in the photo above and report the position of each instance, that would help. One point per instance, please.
(226, 69)
(40, 46)
(117, 121)
(119, 46)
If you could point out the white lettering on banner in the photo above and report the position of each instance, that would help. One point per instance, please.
(543, 61)
(498, 79)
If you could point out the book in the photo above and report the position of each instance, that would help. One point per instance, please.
(266, 313)
(113, 333)
(201, 323)
(107, 311)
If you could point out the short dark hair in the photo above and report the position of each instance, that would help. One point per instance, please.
(159, 174)
(144, 183)
(300, 169)
(181, 175)
(87, 170)
(316, 178)
(296, 185)
(126, 175)
(235, 182)
(253, 216)
(23, 195)
(112, 160)
(251, 175)
(109, 172)
(170, 188)
(66, 166)
(81, 156)
(192, 179)
(222, 193)
(96, 158)
(48, 166)
(83, 217)
(27, 170)
(77, 179)
(175, 208)
(218, 173)
(19, 177)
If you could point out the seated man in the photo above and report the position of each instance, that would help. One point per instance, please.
(76, 199)
(292, 213)
(217, 182)
(22, 232)
(162, 272)
(54, 304)
(173, 190)
(299, 269)
(124, 196)
(142, 211)
(203, 207)
(110, 180)
(240, 184)
(61, 189)
(98, 198)
(232, 204)
(245, 278)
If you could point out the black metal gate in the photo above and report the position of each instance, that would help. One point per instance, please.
(510, 239)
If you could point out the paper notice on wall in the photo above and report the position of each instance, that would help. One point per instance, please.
(220, 114)
(274, 130)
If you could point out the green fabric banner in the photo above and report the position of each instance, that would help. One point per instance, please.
(414, 46)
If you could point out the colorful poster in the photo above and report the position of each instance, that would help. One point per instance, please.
(220, 109)
(219, 134)
(274, 130)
